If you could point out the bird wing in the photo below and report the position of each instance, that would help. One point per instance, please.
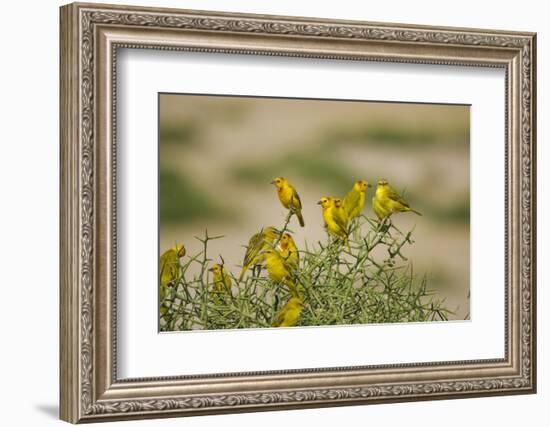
(271, 234)
(296, 198)
(167, 257)
(163, 261)
(294, 253)
(341, 224)
(280, 318)
(289, 262)
(168, 267)
(392, 194)
(351, 200)
(339, 220)
(255, 244)
(227, 282)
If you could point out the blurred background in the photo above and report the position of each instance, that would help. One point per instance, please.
(219, 154)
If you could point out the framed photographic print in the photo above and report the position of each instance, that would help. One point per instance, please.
(263, 212)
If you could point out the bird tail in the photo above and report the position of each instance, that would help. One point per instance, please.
(300, 218)
(416, 212)
(243, 272)
(291, 285)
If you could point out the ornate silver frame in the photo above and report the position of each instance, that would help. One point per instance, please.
(90, 36)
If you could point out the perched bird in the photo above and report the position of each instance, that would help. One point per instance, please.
(333, 224)
(278, 270)
(289, 197)
(170, 271)
(290, 313)
(355, 199)
(339, 213)
(257, 243)
(386, 201)
(333, 221)
(222, 281)
(289, 251)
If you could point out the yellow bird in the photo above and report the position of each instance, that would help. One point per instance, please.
(222, 281)
(355, 199)
(289, 197)
(386, 201)
(278, 270)
(170, 271)
(339, 213)
(333, 224)
(257, 243)
(333, 221)
(289, 251)
(290, 313)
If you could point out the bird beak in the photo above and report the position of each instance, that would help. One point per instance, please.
(319, 202)
(272, 182)
(211, 269)
(369, 185)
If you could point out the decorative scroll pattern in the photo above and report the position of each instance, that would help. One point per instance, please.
(265, 26)
(89, 18)
(86, 211)
(324, 395)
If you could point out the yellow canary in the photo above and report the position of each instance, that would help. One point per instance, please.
(222, 281)
(386, 201)
(278, 270)
(257, 243)
(355, 199)
(290, 313)
(289, 251)
(289, 197)
(339, 213)
(333, 225)
(170, 271)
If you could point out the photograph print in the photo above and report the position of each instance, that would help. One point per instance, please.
(285, 212)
